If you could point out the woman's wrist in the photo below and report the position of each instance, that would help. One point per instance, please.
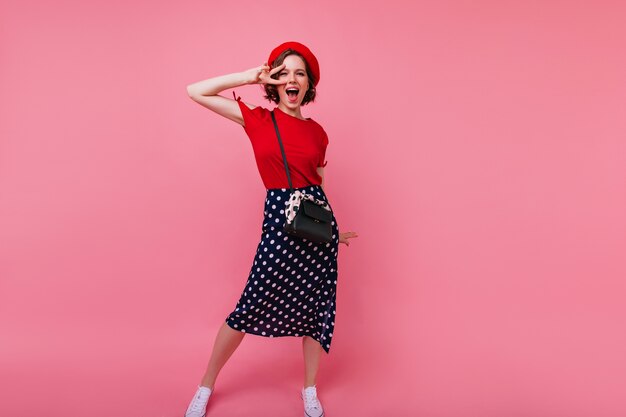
(215, 85)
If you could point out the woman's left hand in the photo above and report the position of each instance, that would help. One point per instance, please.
(344, 236)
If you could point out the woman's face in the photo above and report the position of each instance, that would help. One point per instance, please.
(296, 78)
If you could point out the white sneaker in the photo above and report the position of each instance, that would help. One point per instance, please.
(312, 406)
(197, 407)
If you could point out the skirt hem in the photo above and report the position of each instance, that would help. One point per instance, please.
(272, 336)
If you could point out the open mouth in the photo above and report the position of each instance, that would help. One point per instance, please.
(292, 93)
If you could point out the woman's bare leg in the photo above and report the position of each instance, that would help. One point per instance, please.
(312, 352)
(226, 342)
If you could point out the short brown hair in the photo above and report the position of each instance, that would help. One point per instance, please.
(271, 93)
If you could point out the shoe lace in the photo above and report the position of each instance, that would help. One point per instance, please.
(310, 399)
(199, 402)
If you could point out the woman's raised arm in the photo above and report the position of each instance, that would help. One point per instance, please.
(206, 92)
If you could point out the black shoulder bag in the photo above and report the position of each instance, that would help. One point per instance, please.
(306, 216)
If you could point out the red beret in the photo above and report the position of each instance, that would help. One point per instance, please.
(304, 51)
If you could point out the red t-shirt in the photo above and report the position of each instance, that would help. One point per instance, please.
(305, 143)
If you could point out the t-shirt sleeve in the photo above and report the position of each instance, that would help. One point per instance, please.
(322, 159)
(251, 117)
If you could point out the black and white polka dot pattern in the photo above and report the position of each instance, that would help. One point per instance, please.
(292, 285)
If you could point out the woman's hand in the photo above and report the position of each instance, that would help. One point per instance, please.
(343, 237)
(263, 75)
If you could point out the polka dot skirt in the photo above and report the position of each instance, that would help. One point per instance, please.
(292, 284)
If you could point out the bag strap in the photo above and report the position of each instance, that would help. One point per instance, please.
(282, 150)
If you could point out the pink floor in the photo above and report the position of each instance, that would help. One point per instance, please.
(76, 371)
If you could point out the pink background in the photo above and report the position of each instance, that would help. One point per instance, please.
(477, 147)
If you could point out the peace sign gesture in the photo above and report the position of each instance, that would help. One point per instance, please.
(262, 74)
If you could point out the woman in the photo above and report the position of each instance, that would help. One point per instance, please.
(292, 283)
